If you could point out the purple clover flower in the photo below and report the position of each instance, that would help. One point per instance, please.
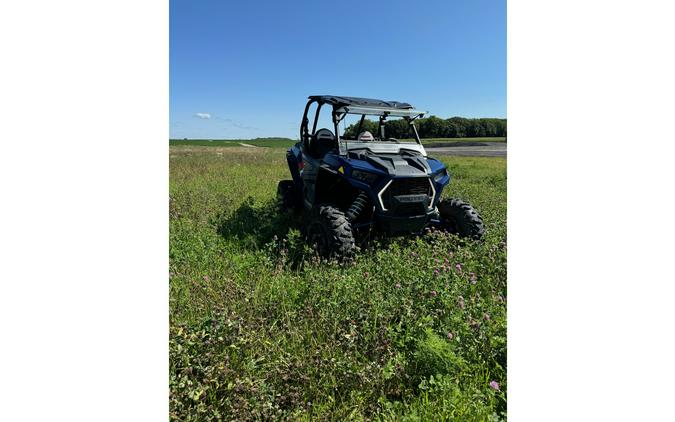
(494, 385)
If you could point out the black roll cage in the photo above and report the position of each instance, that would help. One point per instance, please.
(338, 116)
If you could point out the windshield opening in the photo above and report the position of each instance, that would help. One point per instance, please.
(365, 128)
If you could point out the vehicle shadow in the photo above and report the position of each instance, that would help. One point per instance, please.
(254, 226)
(262, 227)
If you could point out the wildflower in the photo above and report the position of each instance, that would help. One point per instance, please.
(460, 302)
(433, 293)
(436, 272)
(472, 278)
(449, 336)
(486, 316)
(494, 385)
(458, 267)
(398, 285)
(206, 278)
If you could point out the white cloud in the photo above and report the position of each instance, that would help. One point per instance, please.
(203, 115)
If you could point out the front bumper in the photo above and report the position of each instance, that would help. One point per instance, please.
(403, 224)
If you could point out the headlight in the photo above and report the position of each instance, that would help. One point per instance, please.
(363, 176)
(440, 174)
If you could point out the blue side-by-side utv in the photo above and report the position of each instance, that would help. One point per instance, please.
(344, 187)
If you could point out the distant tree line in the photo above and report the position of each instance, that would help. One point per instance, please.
(435, 127)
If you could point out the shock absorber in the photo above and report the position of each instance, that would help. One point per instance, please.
(357, 206)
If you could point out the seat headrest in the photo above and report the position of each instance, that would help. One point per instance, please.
(324, 134)
(366, 136)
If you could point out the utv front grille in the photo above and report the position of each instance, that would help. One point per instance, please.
(407, 188)
(412, 186)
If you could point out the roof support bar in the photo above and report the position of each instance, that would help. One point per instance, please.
(376, 111)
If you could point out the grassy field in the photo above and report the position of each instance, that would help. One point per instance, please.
(285, 142)
(415, 329)
(260, 142)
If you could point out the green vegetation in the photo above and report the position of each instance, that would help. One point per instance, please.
(434, 127)
(415, 329)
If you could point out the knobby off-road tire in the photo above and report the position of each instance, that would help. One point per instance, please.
(331, 232)
(461, 218)
(286, 196)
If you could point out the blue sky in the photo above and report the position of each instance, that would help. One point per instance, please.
(244, 69)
